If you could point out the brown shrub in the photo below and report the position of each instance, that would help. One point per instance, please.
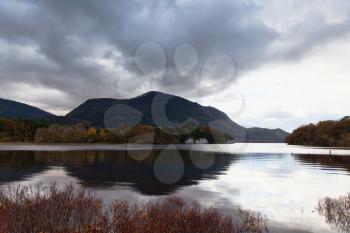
(39, 209)
(52, 210)
(172, 215)
(336, 212)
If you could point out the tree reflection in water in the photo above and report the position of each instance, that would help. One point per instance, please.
(105, 169)
(336, 212)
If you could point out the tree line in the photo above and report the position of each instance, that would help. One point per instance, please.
(17, 130)
(324, 133)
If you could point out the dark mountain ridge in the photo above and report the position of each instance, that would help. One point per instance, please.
(176, 110)
(154, 108)
(13, 109)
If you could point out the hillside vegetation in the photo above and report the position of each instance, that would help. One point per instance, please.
(43, 132)
(324, 133)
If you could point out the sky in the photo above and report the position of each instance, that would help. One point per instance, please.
(266, 63)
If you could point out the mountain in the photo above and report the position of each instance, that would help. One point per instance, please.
(157, 108)
(17, 110)
(152, 108)
(266, 135)
(13, 109)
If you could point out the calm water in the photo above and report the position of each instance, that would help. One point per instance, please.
(282, 182)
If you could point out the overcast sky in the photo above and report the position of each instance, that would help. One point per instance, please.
(265, 63)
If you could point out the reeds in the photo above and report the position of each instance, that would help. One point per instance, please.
(336, 212)
(37, 209)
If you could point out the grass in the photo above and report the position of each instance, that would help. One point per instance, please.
(37, 209)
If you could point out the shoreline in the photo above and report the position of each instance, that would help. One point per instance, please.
(237, 148)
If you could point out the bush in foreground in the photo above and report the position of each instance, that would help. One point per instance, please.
(52, 210)
(336, 212)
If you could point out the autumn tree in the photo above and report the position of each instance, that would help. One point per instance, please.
(324, 133)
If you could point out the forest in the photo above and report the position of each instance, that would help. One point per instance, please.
(324, 133)
(27, 131)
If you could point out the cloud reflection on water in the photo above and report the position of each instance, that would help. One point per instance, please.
(284, 187)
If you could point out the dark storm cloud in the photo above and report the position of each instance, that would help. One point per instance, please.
(86, 48)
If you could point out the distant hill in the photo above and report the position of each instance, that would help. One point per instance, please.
(177, 110)
(16, 110)
(13, 109)
(266, 135)
(169, 111)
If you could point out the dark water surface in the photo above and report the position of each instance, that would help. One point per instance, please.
(267, 178)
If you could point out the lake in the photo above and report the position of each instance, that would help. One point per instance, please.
(280, 181)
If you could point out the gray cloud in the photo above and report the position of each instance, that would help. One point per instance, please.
(85, 49)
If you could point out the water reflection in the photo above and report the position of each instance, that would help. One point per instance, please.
(283, 186)
(326, 162)
(104, 169)
(17, 166)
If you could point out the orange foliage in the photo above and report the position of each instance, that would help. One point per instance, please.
(325, 133)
